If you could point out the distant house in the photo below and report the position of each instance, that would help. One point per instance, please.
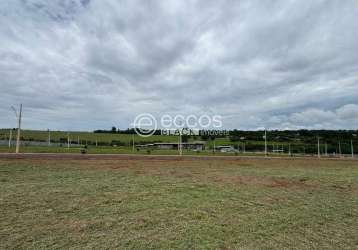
(145, 145)
(225, 149)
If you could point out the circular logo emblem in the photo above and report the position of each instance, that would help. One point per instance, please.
(145, 125)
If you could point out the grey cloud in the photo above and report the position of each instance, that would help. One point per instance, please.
(86, 64)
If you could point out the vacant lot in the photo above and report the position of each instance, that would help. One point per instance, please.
(166, 203)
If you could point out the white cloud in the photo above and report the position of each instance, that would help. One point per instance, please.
(348, 112)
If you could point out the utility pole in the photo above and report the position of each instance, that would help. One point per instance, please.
(68, 140)
(326, 147)
(289, 149)
(318, 148)
(180, 144)
(265, 143)
(49, 137)
(352, 149)
(10, 138)
(214, 147)
(78, 140)
(340, 149)
(132, 142)
(96, 142)
(244, 148)
(19, 116)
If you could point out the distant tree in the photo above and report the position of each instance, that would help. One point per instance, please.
(114, 130)
(204, 137)
(185, 138)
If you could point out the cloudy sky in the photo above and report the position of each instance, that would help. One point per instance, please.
(88, 64)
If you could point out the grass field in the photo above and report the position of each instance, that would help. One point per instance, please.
(105, 140)
(129, 150)
(91, 137)
(169, 203)
(118, 150)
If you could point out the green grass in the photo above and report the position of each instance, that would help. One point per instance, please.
(38, 135)
(143, 204)
(91, 137)
(124, 140)
(122, 150)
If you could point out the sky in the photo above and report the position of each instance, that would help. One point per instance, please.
(94, 64)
